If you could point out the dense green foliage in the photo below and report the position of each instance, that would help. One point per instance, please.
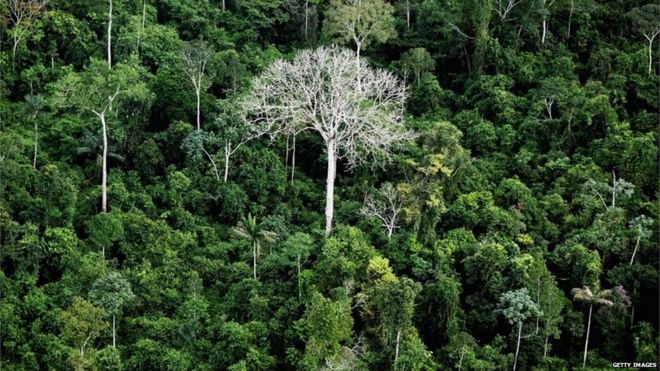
(519, 226)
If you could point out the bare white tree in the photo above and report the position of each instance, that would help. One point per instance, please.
(196, 56)
(384, 206)
(646, 20)
(544, 9)
(22, 14)
(317, 91)
(504, 7)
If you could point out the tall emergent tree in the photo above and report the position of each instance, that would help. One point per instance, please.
(249, 229)
(517, 306)
(318, 91)
(595, 297)
(196, 56)
(101, 92)
(361, 22)
(646, 20)
(111, 293)
(22, 14)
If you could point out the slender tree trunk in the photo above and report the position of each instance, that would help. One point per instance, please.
(586, 342)
(545, 347)
(650, 56)
(306, 18)
(515, 360)
(215, 168)
(398, 342)
(286, 156)
(254, 260)
(330, 186)
(358, 46)
(17, 40)
(613, 189)
(545, 29)
(293, 159)
(299, 285)
(224, 6)
(110, 34)
(538, 302)
(227, 154)
(36, 144)
(632, 315)
(114, 332)
(460, 361)
(104, 167)
(570, 17)
(408, 13)
(144, 11)
(198, 93)
(632, 258)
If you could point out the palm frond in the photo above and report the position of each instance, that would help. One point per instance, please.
(117, 157)
(582, 294)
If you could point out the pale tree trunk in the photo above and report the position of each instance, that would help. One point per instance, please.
(110, 34)
(586, 342)
(538, 302)
(632, 258)
(114, 332)
(545, 29)
(36, 143)
(299, 285)
(545, 347)
(293, 159)
(358, 47)
(306, 18)
(215, 168)
(408, 13)
(398, 342)
(224, 6)
(650, 56)
(104, 166)
(254, 260)
(515, 360)
(613, 189)
(144, 11)
(650, 40)
(227, 154)
(286, 156)
(197, 94)
(330, 186)
(460, 361)
(570, 17)
(13, 51)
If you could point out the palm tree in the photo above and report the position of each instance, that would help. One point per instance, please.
(93, 145)
(249, 229)
(599, 297)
